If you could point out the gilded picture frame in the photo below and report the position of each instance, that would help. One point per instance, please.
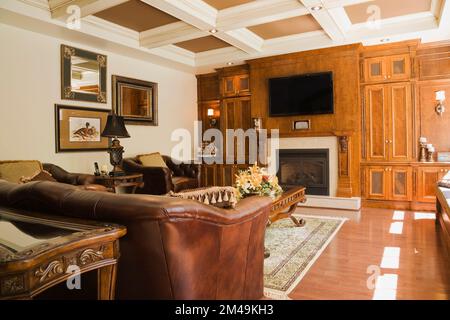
(83, 75)
(135, 100)
(78, 129)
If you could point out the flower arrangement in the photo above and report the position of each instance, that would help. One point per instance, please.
(254, 181)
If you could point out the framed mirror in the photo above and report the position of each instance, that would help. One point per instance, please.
(135, 100)
(83, 75)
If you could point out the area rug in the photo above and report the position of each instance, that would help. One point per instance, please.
(294, 250)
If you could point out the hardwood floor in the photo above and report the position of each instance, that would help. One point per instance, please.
(404, 246)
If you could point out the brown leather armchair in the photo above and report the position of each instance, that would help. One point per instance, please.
(173, 249)
(159, 180)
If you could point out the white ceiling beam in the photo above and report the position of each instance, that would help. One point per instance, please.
(325, 19)
(170, 34)
(203, 17)
(419, 22)
(329, 4)
(258, 12)
(59, 8)
(242, 39)
(194, 12)
(444, 16)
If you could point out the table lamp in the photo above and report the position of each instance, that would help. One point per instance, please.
(115, 128)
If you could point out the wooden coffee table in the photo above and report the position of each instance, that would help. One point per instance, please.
(284, 205)
(38, 252)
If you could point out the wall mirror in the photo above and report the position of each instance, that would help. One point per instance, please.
(83, 75)
(135, 100)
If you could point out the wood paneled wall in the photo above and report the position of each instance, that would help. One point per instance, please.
(344, 63)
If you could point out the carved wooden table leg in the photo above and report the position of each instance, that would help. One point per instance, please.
(106, 282)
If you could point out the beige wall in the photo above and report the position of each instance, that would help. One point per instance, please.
(30, 86)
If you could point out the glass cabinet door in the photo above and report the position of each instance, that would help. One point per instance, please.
(229, 87)
(400, 68)
(375, 69)
(401, 183)
(376, 178)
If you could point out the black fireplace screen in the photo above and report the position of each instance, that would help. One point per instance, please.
(305, 167)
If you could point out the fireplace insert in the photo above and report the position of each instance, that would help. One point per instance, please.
(305, 167)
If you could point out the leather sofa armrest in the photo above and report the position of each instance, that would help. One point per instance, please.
(61, 175)
(157, 180)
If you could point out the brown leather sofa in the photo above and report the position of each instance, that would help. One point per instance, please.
(159, 180)
(84, 181)
(174, 249)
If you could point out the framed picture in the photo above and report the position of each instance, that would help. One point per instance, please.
(83, 75)
(135, 100)
(79, 129)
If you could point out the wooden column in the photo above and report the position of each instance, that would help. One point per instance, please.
(344, 164)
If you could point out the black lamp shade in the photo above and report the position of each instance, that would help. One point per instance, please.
(115, 127)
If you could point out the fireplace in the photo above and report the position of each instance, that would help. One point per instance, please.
(305, 167)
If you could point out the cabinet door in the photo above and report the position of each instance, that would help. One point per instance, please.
(426, 183)
(377, 183)
(400, 123)
(401, 183)
(237, 116)
(229, 87)
(209, 175)
(376, 114)
(399, 67)
(375, 69)
(243, 84)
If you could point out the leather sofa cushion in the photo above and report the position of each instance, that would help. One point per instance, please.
(152, 160)
(183, 183)
(13, 171)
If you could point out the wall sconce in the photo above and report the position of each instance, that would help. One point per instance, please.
(440, 98)
(212, 120)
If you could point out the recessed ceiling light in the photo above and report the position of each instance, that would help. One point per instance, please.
(385, 40)
(230, 63)
(316, 8)
(213, 31)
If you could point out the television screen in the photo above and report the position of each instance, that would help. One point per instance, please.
(308, 94)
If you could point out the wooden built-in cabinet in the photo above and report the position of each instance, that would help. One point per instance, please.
(233, 110)
(388, 183)
(236, 85)
(220, 174)
(387, 68)
(427, 177)
(409, 185)
(389, 122)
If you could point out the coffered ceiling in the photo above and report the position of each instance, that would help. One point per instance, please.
(204, 34)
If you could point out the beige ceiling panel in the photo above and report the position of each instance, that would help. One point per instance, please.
(137, 16)
(388, 9)
(286, 27)
(224, 4)
(203, 44)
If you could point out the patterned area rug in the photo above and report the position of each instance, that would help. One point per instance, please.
(294, 250)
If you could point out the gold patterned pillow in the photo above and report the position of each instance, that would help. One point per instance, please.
(152, 160)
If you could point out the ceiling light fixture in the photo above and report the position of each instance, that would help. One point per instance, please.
(213, 31)
(385, 40)
(316, 8)
(230, 63)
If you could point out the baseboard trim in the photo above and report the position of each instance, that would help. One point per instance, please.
(335, 203)
(399, 205)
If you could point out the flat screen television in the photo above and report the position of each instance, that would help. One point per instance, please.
(308, 94)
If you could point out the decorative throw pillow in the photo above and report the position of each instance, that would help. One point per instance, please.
(152, 160)
(12, 171)
(39, 176)
(221, 197)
